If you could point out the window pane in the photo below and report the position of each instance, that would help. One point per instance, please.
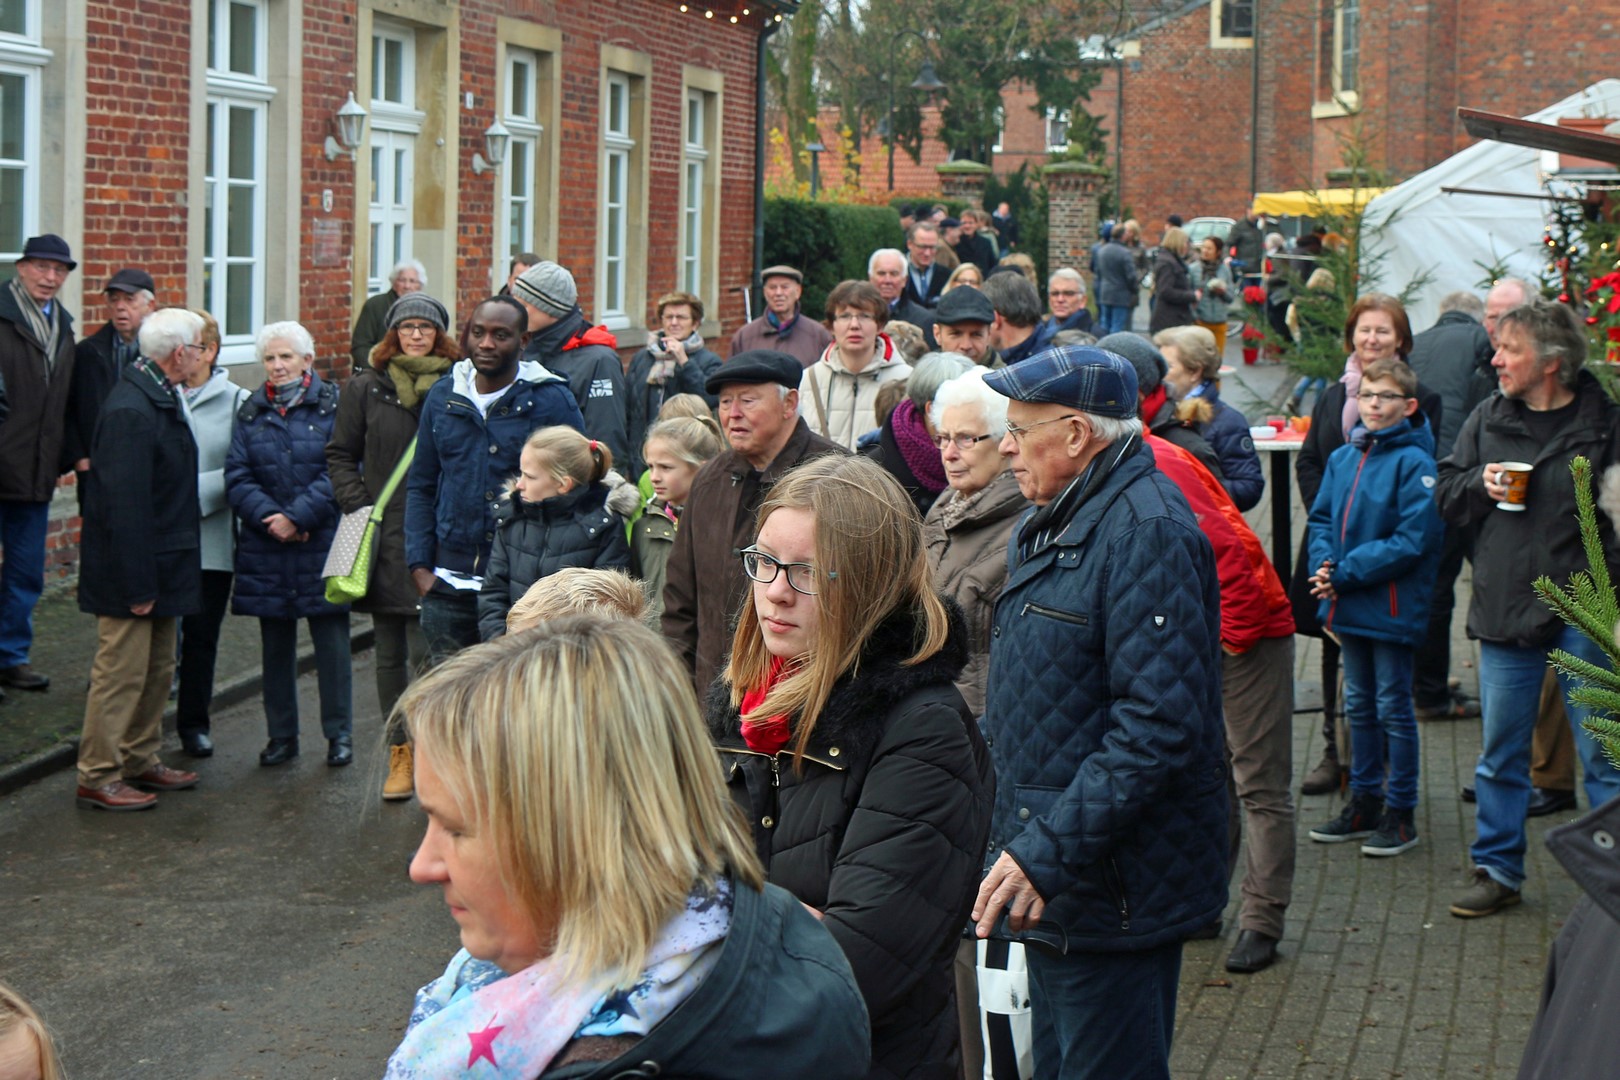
(517, 160)
(399, 243)
(13, 20)
(400, 177)
(1349, 43)
(394, 87)
(618, 123)
(213, 119)
(517, 229)
(213, 33)
(519, 84)
(694, 120)
(239, 222)
(239, 299)
(13, 116)
(11, 209)
(376, 250)
(242, 151)
(208, 219)
(377, 159)
(377, 64)
(245, 39)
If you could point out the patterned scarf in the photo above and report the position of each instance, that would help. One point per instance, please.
(918, 449)
(414, 376)
(783, 327)
(287, 396)
(45, 328)
(519, 1023)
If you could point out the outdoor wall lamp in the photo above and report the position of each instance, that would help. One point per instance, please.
(495, 139)
(351, 125)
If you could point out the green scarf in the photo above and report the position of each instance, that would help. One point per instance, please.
(414, 376)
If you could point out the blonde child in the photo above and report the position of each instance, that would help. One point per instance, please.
(675, 450)
(579, 590)
(27, 1051)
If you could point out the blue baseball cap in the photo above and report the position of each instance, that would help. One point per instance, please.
(1080, 377)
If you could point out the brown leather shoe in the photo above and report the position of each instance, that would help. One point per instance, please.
(23, 677)
(163, 778)
(115, 796)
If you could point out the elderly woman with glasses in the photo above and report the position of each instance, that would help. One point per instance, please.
(852, 752)
(277, 483)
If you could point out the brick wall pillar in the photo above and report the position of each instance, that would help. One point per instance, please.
(1072, 190)
(963, 180)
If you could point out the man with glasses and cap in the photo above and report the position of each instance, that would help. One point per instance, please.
(1108, 841)
(36, 367)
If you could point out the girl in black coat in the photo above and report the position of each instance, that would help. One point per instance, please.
(556, 515)
(851, 751)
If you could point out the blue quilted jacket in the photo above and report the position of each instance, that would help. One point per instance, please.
(1227, 431)
(1104, 717)
(277, 464)
(1376, 517)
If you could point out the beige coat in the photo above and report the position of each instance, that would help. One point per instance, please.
(841, 405)
(967, 551)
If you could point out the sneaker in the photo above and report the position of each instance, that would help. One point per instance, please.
(1395, 833)
(1356, 821)
(401, 782)
(1486, 896)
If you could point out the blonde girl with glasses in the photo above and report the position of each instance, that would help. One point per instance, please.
(850, 749)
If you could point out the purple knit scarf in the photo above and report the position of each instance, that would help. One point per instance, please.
(922, 456)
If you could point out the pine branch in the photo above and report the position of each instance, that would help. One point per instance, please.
(1587, 672)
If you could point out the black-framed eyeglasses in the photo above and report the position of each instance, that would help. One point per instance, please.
(1018, 433)
(963, 443)
(802, 577)
(1388, 397)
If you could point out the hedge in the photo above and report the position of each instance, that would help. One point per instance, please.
(827, 242)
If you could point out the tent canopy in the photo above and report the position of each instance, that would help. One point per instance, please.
(1313, 203)
(1454, 239)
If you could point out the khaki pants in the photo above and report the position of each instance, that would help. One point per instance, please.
(1257, 693)
(129, 686)
(1552, 747)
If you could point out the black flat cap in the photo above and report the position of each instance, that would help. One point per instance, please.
(964, 304)
(754, 366)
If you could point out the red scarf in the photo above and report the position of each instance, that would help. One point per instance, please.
(768, 734)
(1153, 403)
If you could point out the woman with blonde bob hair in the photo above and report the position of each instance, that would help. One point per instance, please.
(612, 911)
(852, 752)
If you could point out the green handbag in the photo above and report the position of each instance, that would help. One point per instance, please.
(348, 563)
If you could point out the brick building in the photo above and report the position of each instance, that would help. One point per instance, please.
(194, 137)
(1385, 72)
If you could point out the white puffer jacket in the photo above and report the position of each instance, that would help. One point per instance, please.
(840, 404)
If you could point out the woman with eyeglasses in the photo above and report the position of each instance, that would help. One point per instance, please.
(376, 421)
(906, 443)
(852, 752)
(838, 393)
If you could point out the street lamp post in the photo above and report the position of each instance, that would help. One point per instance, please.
(815, 149)
(926, 81)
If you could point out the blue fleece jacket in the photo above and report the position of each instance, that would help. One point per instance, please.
(1376, 518)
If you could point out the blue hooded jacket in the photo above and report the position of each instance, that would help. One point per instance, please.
(1375, 516)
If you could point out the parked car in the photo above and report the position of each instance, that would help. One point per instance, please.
(1200, 227)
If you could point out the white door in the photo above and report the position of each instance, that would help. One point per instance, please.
(393, 177)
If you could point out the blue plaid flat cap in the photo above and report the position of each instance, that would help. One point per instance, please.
(1081, 377)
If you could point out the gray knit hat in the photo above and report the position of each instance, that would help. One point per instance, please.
(1148, 361)
(419, 305)
(547, 286)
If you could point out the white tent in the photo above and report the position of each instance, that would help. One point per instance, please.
(1454, 238)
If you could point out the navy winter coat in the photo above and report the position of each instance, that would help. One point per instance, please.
(1104, 716)
(1227, 432)
(277, 464)
(463, 460)
(535, 540)
(584, 356)
(1376, 518)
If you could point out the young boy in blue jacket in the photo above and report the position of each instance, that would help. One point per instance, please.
(1375, 540)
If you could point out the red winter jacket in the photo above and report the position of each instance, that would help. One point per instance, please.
(1254, 604)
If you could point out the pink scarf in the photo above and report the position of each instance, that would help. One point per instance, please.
(1352, 386)
(922, 456)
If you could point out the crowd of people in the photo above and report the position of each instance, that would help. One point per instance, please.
(965, 657)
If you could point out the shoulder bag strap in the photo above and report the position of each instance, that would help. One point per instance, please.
(821, 406)
(393, 481)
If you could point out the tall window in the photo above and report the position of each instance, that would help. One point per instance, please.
(694, 208)
(234, 181)
(21, 58)
(522, 152)
(1347, 53)
(1057, 129)
(395, 125)
(618, 147)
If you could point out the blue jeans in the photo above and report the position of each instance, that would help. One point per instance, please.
(22, 576)
(1378, 707)
(1104, 1016)
(1510, 679)
(334, 672)
(1113, 318)
(449, 623)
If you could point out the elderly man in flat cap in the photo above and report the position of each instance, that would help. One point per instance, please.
(759, 413)
(783, 326)
(1108, 839)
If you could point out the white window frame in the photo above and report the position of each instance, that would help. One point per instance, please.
(385, 33)
(1217, 16)
(618, 144)
(526, 129)
(22, 55)
(694, 222)
(228, 90)
(395, 127)
(1058, 116)
(1342, 100)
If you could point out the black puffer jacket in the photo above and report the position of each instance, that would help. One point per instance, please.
(883, 830)
(534, 540)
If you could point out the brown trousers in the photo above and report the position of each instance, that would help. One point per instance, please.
(1257, 692)
(129, 686)
(1552, 747)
